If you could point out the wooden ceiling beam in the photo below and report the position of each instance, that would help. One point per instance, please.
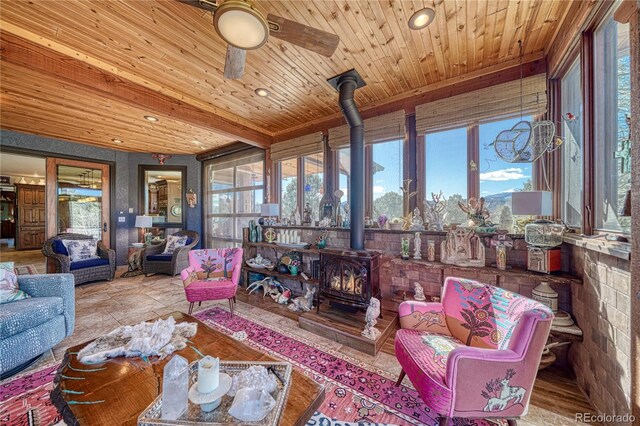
(486, 77)
(580, 16)
(22, 52)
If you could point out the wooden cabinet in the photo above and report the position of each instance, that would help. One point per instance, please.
(31, 216)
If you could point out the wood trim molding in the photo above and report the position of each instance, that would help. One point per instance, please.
(588, 122)
(487, 77)
(473, 154)
(581, 16)
(25, 53)
(634, 319)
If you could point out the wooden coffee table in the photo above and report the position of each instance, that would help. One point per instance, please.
(128, 385)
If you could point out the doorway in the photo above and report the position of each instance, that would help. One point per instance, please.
(78, 198)
(22, 207)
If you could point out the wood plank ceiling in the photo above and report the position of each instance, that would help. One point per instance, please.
(172, 49)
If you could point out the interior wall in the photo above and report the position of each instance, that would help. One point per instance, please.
(601, 308)
(125, 172)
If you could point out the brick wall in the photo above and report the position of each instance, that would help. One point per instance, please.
(601, 308)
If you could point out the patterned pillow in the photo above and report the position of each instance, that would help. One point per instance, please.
(9, 291)
(174, 242)
(7, 266)
(81, 249)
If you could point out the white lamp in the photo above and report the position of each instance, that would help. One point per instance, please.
(143, 222)
(269, 210)
(533, 203)
(240, 25)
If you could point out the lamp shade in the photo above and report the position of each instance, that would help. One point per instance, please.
(267, 210)
(144, 222)
(532, 203)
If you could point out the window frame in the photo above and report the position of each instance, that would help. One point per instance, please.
(208, 238)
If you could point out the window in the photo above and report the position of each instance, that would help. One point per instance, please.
(499, 178)
(288, 187)
(612, 100)
(446, 170)
(387, 176)
(344, 172)
(313, 182)
(234, 193)
(571, 99)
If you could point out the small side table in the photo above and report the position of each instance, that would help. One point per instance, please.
(135, 262)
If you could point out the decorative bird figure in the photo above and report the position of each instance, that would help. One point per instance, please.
(373, 312)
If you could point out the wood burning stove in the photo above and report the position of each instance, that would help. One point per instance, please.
(349, 277)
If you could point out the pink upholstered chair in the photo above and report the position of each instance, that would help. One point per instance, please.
(221, 266)
(476, 354)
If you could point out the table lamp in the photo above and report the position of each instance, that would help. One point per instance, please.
(269, 211)
(143, 222)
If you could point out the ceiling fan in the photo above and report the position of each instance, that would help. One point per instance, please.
(244, 28)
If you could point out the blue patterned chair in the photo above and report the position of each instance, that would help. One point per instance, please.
(154, 261)
(29, 327)
(103, 268)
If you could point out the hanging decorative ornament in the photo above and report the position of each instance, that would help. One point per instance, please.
(527, 140)
(161, 158)
(569, 117)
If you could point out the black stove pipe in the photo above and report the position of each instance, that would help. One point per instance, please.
(347, 85)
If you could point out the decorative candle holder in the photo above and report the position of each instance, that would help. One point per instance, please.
(431, 250)
(501, 257)
(210, 401)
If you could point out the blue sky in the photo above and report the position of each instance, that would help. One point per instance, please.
(447, 162)
(446, 154)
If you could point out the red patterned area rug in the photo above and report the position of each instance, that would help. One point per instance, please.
(356, 393)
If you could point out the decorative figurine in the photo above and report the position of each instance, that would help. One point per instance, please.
(192, 198)
(338, 216)
(434, 212)
(321, 241)
(373, 312)
(405, 248)
(477, 214)
(253, 231)
(303, 303)
(418, 292)
(346, 220)
(431, 250)
(270, 235)
(407, 222)
(382, 221)
(417, 244)
(308, 215)
(462, 247)
(501, 241)
(406, 194)
(417, 224)
(258, 233)
(327, 207)
(297, 218)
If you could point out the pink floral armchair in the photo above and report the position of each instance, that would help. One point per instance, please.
(212, 274)
(476, 354)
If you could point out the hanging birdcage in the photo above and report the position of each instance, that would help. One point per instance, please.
(525, 142)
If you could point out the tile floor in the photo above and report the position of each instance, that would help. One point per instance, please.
(103, 306)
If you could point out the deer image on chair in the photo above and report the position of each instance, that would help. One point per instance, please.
(213, 274)
(453, 351)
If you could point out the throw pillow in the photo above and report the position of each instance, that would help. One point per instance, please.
(7, 266)
(81, 249)
(9, 291)
(174, 242)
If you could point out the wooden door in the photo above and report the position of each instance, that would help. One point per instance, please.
(31, 217)
(78, 198)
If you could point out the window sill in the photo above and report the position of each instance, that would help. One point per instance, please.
(611, 248)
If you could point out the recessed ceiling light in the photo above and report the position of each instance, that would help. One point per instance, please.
(114, 140)
(421, 18)
(151, 118)
(261, 91)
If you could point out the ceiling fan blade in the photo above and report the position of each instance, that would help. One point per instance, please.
(304, 36)
(234, 63)
(209, 5)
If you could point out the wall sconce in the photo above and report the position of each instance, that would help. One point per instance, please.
(192, 198)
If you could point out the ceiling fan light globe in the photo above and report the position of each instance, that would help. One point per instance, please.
(240, 25)
(421, 18)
